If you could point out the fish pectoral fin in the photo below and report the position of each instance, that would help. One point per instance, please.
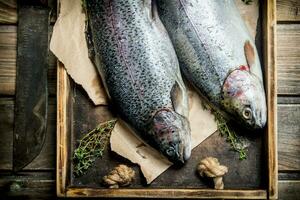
(89, 42)
(249, 53)
(151, 9)
(179, 99)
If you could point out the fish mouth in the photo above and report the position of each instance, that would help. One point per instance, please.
(178, 154)
(187, 152)
(172, 135)
(183, 155)
(260, 122)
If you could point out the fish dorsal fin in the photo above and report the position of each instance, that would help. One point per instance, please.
(179, 99)
(249, 53)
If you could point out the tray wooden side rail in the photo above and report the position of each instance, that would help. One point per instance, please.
(269, 55)
(267, 190)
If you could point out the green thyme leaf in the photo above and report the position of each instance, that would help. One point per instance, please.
(237, 143)
(91, 146)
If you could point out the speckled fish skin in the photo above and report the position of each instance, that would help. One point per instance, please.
(217, 55)
(138, 64)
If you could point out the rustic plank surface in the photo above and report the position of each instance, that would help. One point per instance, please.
(289, 137)
(288, 10)
(8, 53)
(8, 11)
(39, 185)
(6, 132)
(289, 190)
(288, 56)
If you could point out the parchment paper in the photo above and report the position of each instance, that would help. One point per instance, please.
(69, 45)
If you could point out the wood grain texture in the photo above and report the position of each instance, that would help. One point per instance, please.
(168, 193)
(46, 159)
(269, 53)
(9, 15)
(288, 57)
(28, 185)
(8, 11)
(289, 190)
(62, 130)
(288, 100)
(289, 175)
(8, 55)
(288, 10)
(289, 137)
(6, 132)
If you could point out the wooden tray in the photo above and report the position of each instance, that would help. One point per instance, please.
(254, 178)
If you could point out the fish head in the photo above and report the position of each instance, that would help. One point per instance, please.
(244, 98)
(171, 133)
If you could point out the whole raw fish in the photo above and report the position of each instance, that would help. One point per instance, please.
(138, 64)
(217, 55)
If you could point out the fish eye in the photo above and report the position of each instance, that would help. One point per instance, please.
(247, 114)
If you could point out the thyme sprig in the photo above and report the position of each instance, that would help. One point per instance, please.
(237, 143)
(91, 146)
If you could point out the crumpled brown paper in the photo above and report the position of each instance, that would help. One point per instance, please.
(69, 45)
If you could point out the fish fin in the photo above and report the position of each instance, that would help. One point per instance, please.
(249, 53)
(151, 9)
(179, 100)
(89, 42)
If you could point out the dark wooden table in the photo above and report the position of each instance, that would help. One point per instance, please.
(37, 180)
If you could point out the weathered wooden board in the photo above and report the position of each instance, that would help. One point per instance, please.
(289, 137)
(9, 15)
(8, 51)
(289, 190)
(41, 185)
(6, 132)
(288, 10)
(8, 11)
(33, 185)
(46, 159)
(288, 56)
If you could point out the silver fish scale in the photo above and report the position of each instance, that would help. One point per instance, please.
(218, 36)
(139, 63)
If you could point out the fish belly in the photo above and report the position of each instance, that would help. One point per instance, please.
(135, 57)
